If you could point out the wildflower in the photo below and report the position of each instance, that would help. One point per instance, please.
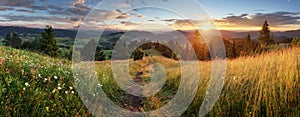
(94, 94)
(59, 88)
(45, 79)
(100, 85)
(1, 61)
(55, 77)
(70, 87)
(39, 75)
(66, 92)
(24, 88)
(27, 84)
(72, 92)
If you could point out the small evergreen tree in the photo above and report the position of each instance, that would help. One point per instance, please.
(265, 38)
(16, 41)
(7, 40)
(88, 50)
(13, 40)
(48, 43)
(99, 56)
(138, 54)
(232, 50)
(248, 45)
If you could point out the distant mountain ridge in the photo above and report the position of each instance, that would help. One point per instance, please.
(24, 31)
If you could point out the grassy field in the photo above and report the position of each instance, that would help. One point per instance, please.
(263, 85)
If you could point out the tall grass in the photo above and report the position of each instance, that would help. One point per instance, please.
(262, 85)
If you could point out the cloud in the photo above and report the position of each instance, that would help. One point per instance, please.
(140, 16)
(126, 23)
(100, 15)
(77, 2)
(79, 7)
(39, 7)
(17, 3)
(125, 5)
(78, 11)
(170, 20)
(274, 19)
(25, 10)
(59, 12)
(5, 8)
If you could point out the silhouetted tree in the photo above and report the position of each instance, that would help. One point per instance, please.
(138, 54)
(99, 56)
(88, 51)
(16, 41)
(13, 40)
(248, 46)
(265, 38)
(48, 43)
(7, 41)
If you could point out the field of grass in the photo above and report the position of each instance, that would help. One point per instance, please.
(262, 85)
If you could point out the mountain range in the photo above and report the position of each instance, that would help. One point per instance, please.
(29, 32)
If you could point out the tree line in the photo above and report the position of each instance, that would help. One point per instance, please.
(45, 44)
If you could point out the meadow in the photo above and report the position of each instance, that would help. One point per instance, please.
(261, 85)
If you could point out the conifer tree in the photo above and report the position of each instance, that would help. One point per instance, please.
(265, 37)
(48, 43)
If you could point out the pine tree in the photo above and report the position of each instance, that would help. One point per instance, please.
(13, 40)
(48, 43)
(88, 51)
(138, 54)
(265, 38)
(7, 40)
(16, 41)
(248, 45)
(232, 50)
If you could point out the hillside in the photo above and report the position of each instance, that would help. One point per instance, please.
(262, 85)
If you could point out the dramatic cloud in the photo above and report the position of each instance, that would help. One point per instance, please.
(17, 3)
(100, 15)
(274, 19)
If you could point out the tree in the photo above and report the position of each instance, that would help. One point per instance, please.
(231, 52)
(16, 41)
(248, 46)
(138, 54)
(48, 43)
(88, 51)
(99, 56)
(13, 40)
(265, 38)
(7, 40)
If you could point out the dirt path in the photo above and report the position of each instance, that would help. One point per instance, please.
(135, 102)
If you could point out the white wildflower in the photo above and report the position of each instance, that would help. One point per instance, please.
(72, 92)
(70, 87)
(100, 85)
(27, 84)
(66, 92)
(59, 88)
(55, 77)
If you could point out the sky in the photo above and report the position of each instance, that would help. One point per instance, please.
(237, 15)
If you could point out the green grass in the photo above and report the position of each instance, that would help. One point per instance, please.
(35, 85)
(262, 85)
